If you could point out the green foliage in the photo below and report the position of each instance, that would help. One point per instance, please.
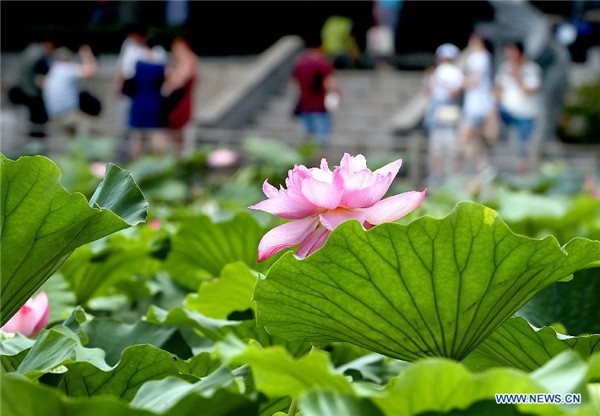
(103, 265)
(229, 293)
(517, 344)
(326, 403)
(276, 373)
(138, 365)
(581, 118)
(432, 288)
(201, 248)
(55, 347)
(23, 398)
(114, 336)
(441, 385)
(573, 304)
(42, 223)
(180, 319)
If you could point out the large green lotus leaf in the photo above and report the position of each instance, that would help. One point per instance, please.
(114, 336)
(160, 396)
(218, 329)
(574, 304)
(201, 245)
(53, 348)
(327, 403)
(222, 403)
(42, 223)
(440, 385)
(91, 269)
(13, 344)
(138, 365)
(517, 344)
(200, 365)
(277, 373)
(429, 385)
(21, 397)
(215, 329)
(13, 349)
(232, 292)
(432, 288)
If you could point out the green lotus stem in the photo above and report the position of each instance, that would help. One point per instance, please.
(294, 405)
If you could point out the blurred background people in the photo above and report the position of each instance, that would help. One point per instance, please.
(144, 89)
(178, 88)
(443, 85)
(387, 13)
(313, 73)
(34, 65)
(247, 90)
(381, 38)
(338, 41)
(67, 105)
(380, 43)
(517, 84)
(479, 120)
(132, 50)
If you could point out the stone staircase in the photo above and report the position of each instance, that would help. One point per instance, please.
(362, 121)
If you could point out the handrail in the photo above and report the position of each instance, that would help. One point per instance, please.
(238, 103)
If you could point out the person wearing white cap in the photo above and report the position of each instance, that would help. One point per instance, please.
(444, 86)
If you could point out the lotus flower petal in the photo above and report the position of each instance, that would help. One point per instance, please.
(285, 236)
(31, 318)
(313, 241)
(290, 207)
(394, 207)
(332, 219)
(322, 194)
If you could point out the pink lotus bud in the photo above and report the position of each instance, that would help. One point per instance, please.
(222, 158)
(590, 185)
(98, 169)
(31, 318)
(154, 224)
(319, 200)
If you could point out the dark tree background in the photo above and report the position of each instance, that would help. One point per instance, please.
(230, 27)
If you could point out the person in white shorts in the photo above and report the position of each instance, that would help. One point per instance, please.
(442, 116)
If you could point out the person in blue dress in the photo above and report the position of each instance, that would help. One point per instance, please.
(144, 88)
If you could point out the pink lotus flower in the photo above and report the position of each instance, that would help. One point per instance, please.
(320, 200)
(155, 224)
(31, 318)
(98, 169)
(222, 158)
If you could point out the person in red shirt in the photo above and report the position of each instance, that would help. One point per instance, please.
(313, 73)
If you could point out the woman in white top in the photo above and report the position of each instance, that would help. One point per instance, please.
(478, 105)
(61, 87)
(517, 85)
(444, 85)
